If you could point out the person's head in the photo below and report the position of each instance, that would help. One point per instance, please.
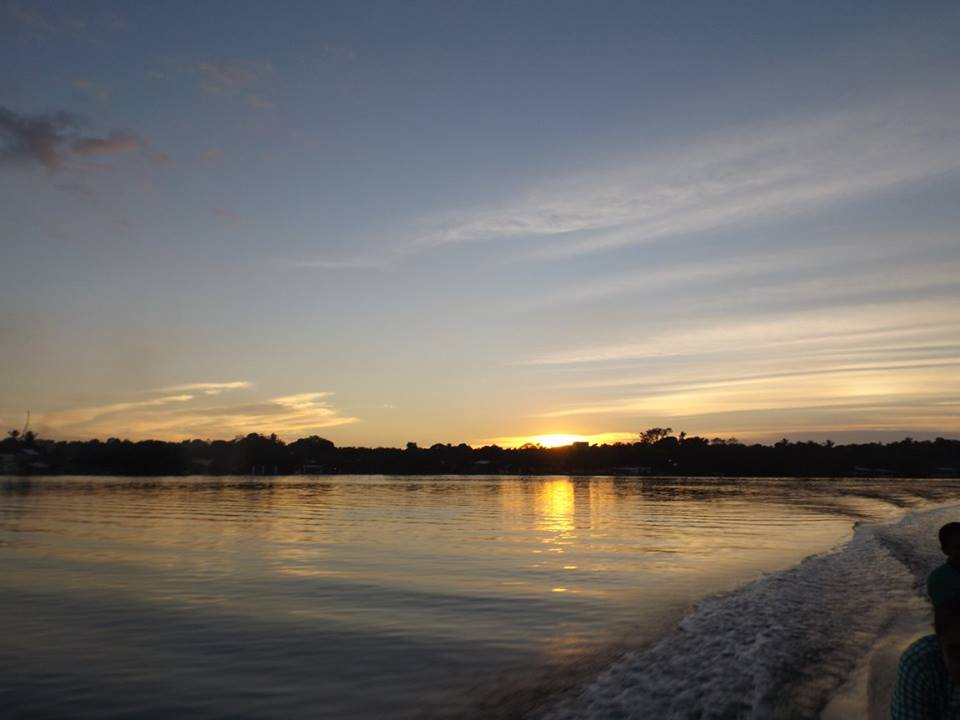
(946, 623)
(950, 540)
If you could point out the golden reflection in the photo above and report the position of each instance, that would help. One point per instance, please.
(555, 505)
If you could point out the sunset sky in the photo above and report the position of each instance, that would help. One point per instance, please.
(477, 222)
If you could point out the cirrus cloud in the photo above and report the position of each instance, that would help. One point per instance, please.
(195, 414)
(754, 173)
(210, 388)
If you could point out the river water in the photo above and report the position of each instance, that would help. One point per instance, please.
(426, 597)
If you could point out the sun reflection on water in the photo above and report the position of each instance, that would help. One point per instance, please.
(556, 505)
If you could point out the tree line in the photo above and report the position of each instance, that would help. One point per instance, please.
(657, 451)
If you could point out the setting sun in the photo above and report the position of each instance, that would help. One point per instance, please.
(558, 440)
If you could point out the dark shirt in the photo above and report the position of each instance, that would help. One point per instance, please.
(923, 690)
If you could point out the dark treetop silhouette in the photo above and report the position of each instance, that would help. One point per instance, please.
(657, 452)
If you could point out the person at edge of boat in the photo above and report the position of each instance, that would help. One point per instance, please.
(944, 582)
(928, 675)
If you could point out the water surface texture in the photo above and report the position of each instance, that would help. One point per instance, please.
(413, 597)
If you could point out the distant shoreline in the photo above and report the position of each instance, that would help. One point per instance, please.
(656, 455)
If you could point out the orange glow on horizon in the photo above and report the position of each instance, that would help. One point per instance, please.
(553, 440)
(556, 440)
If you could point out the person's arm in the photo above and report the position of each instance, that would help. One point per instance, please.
(914, 692)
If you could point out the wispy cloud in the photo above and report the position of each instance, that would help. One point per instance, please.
(189, 415)
(755, 173)
(209, 388)
(887, 366)
(806, 269)
(849, 327)
(819, 388)
(913, 356)
(82, 415)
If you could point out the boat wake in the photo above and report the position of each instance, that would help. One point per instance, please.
(779, 647)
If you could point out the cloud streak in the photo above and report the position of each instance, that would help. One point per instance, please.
(82, 415)
(861, 263)
(752, 174)
(209, 388)
(191, 415)
(846, 327)
(881, 366)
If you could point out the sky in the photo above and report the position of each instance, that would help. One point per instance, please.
(480, 222)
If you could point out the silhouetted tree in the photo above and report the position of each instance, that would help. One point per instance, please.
(654, 435)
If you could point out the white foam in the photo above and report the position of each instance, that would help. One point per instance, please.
(778, 647)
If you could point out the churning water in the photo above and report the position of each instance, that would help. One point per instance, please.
(412, 597)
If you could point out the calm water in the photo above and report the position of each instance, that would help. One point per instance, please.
(411, 597)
